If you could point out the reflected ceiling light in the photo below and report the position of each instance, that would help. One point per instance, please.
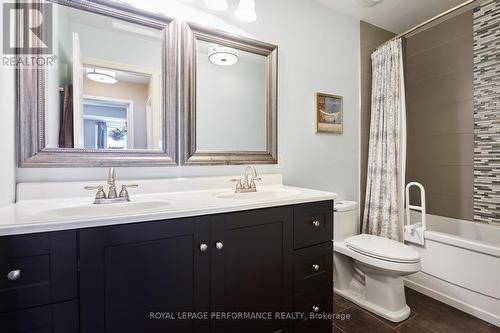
(222, 55)
(101, 75)
(216, 4)
(246, 11)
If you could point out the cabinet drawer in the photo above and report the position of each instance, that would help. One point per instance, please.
(37, 269)
(55, 318)
(313, 266)
(24, 245)
(306, 302)
(313, 223)
(31, 288)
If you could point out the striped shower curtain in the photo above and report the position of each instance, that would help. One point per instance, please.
(384, 204)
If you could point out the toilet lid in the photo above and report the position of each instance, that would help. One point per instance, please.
(382, 248)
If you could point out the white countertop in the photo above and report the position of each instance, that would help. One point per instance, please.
(41, 215)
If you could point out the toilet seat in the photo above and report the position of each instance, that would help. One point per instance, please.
(402, 268)
(382, 249)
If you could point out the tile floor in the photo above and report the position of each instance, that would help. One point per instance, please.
(428, 316)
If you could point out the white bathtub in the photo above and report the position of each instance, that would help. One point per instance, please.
(461, 266)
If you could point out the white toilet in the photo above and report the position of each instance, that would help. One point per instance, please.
(368, 269)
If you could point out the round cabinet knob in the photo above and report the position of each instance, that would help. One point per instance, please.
(203, 247)
(219, 245)
(316, 223)
(14, 275)
(315, 309)
(316, 267)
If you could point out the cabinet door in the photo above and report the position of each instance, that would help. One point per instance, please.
(252, 272)
(140, 277)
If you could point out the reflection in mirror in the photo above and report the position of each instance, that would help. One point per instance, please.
(231, 99)
(106, 90)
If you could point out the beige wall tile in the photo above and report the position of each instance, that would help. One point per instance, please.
(374, 34)
(366, 51)
(455, 149)
(451, 180)
(366, 88)
(451, 56)
(455, 207)
(440, 116)
(460, 25)
(449, 88)
(434, 119)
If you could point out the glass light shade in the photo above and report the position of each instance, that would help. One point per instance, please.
(246, 11)
(222, 55)
(101, 76)
(216, 4)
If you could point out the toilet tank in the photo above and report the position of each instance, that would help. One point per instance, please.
(346, 220)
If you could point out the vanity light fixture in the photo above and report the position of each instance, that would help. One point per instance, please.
(222, 55)
(246, 11)
(216, 4)
(101, 75)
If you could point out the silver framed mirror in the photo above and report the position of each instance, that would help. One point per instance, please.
(229, 98)
(113, 98)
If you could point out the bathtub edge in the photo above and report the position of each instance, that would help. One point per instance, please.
(449, 300)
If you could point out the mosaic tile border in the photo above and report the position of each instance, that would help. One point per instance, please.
(487, 112)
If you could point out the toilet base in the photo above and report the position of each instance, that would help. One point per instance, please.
(360, 300)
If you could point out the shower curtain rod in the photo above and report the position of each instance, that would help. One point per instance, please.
(435, 18)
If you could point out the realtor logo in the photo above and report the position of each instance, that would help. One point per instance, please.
(27, 36)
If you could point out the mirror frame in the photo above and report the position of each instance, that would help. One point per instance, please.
(30, 100)
(191, 155)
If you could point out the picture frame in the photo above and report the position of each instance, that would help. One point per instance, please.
(329, 113)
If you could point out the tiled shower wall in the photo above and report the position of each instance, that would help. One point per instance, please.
(487, 112)
(439, 91)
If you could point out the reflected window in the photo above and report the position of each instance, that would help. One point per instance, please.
(106, 124)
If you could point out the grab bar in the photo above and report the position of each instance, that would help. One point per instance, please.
(420, 208)
(414, 233)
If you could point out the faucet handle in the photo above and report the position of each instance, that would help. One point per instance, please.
(252, 183)
(238, 183)
(124, 191)
(100, 191)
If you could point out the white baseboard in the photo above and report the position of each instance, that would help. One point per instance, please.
(451, 301)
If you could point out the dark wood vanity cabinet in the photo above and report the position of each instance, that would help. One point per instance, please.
(152, 276)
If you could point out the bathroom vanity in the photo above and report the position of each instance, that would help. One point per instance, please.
(205, 256)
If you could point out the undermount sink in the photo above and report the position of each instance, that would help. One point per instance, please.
(93, 210)
(265, 194)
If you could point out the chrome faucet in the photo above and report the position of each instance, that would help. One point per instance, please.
(248, 184)
(112, 196)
